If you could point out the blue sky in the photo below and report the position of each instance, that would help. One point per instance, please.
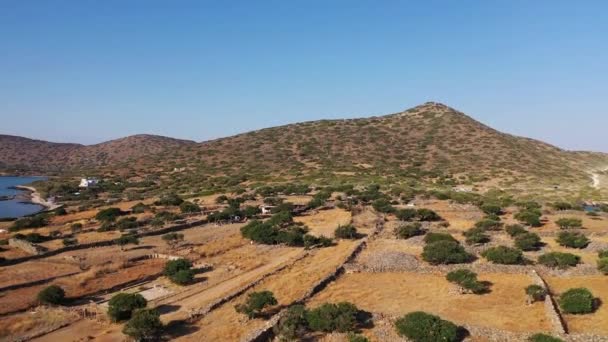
(88, 71)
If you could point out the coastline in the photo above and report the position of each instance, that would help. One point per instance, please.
(36, 198)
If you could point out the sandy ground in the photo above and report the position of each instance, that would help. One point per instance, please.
(225, 324)
(325, 222)
(396, 294)
(596, 322)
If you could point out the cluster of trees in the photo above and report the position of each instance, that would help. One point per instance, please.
(36, 221)
(179, 271)
(423, 214)
(504, 255)
(572, 240)
(142, 324)
(442, 248)
(280, 229)
(329, 317)
(423, 327)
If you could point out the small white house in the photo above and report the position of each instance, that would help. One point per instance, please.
(88, 182)
(266, 209)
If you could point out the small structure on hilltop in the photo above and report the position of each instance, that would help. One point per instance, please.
(88, 182)
(267, 209)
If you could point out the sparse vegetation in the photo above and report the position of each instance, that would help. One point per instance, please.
(255, 303)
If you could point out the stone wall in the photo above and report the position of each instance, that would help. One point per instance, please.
(557, 322)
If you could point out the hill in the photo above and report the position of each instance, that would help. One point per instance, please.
(431, 142)
(18, 153)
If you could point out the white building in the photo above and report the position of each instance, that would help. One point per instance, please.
(88, 182)
(267, 209)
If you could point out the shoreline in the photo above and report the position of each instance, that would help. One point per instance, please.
(36, 198)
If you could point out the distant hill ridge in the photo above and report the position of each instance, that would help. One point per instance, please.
(431, 137)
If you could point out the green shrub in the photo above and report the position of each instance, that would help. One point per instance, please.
(255, 303)
(491, 209)
(445, 252)
(172, 239)
(28, 222)
(407, 214)
(382, 205)
(122, 305)
(468, 280)
(602, 265)
(293, 324)
(127, 239)
(476, 236)
(69, 241)
(515, 229)
(603, 253)
(489, 224)
(504, 255)
(577, 301)
(423, 327)
(189, 207)
(108, 215)
(170, 199)
(561, 206)
(427, 215)
(529, 217)
(329, 317)
(346, 232)
(572, 240)
(544, 338)
(569, 222)
(559, 260)
(434, 237)
(407, 231)
(139, 208)
(144, 325)
(52, 295)
(183, 277)
(536, 292)
(528, 241)
(174, 266)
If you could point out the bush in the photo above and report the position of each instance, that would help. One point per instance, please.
(174, 266)
(183, 277)
(536, 292)
(346, 232)
(52, 295)
(189, 207)
(328, 317)
(489, 224)
(122, 305)
(127, 239)
(544, 338)
(476, 236)
(504, 255)
(422, 327)
(28, 222)
(577, 301)
(569, 222)
(445, 252)
(427, 215)
(382, 205)
(172, 239)
(434, 237)
(528, 241)
(127, 223)
(529, 217)
(256, 302)
(293, 324)
(491, 209)
(108, 215)
(76, 227)
(170, 199)
(409, 230)
(602, 265)
(407, 214)
(145, 325)
(559, 260)
(139, 208)
(69, 242)
(603, 253)
(572, 240)
(467, 280)
(515, 229)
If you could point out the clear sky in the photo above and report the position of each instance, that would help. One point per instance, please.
(88, 71)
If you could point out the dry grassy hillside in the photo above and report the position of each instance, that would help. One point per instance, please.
(36, 155)
(428, 141)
